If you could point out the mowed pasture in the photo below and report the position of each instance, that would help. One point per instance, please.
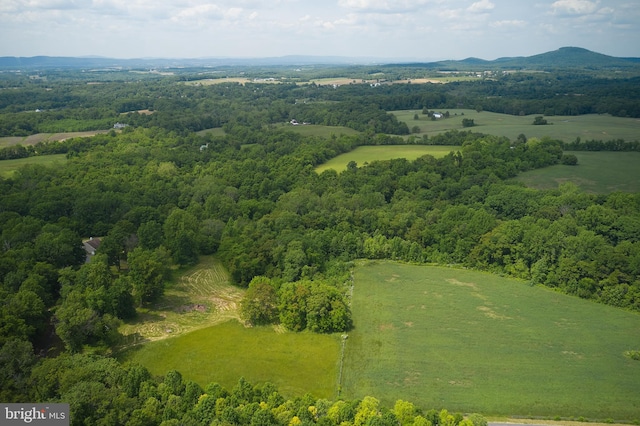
(195, 329)
(321, 131)
(474, 342)
(597, 172)
(297, 363)
(566, 128)
(45, 137)
(9, 167)
(201, 296)
(305, 130)
(238, 80)
(366, 154)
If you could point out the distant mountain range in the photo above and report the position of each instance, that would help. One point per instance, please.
(565, 57)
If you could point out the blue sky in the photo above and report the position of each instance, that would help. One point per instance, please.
(389, 29)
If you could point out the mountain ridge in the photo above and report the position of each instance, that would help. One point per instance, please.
(564, 57)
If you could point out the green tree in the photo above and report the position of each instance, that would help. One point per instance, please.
(259, 305)
(405, 412)
(148, 272)
(16, 360)
(150, 235)
(293, 305)
(539, 121)
(180, 236)
(569, 160)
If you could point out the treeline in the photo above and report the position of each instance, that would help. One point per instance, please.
(101, 391)
(616, 145)
(298, 304)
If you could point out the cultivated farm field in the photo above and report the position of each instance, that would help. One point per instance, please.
(367, 154)
(566, 128)
(475, 342)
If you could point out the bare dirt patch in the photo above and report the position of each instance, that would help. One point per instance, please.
(492, 314)
(462, 284)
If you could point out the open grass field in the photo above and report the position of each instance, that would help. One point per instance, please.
(305, 130)
(45, 137)
(201, 297)
(476, 342)
(8, 167)
(322, 131)
(239, 80)
(566, 128)
(216, 131)
(195, 329)
(367, 154)
(297, 363)
(596, 172)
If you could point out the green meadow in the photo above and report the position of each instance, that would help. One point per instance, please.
(440, 337)
(305, 130)
(297, 363)
(9, 167)
(475, 342)
(322, 131)
(45, 137)
(366, 154)
(597, 172)
(195, 329)
(566, 128)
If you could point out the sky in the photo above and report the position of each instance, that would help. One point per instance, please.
(390, 29)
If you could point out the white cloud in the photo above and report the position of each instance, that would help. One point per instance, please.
(383, 6)
(513, 23)
(386, 28)
(481, 6)
(574, 7)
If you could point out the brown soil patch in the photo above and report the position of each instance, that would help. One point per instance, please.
(462, 284)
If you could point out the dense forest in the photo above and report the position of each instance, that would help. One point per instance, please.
(159, 196)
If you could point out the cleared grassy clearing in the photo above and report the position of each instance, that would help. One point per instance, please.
(195, 330)
(596, 172)
(367, 154)
(240, 80)
(380, 78)
(306, 130)
(566, 128)
(297, 363)
(322, 131)
(46, 137)
(201, 297)
(475, 342)
(9, 167)
(216, 131)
